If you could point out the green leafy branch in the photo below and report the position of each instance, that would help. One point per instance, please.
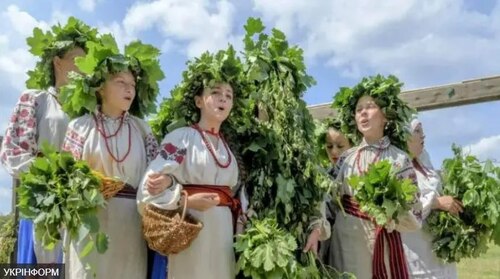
(59, 193)
(381, 194)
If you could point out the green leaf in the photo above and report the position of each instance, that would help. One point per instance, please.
(87, 249)
(268, 258)
(254, 26)
(102, 242)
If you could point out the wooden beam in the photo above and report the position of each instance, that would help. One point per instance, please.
(451, 95)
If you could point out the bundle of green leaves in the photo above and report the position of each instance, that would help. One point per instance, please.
(285, 178)
(59, 193)
(477, 185)
(266, 251)
(381, 194)
(103, 60)
(56, 42)
(385, 91)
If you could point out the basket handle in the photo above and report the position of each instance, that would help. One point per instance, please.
(184, 207)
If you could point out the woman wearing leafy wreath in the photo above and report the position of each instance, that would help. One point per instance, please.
(38, 116)
(197, 159)
(422, 261)
(109, 99)
(332, 144)
(372, 110)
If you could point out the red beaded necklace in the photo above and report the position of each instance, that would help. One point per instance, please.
(102, 131)
(210, 149)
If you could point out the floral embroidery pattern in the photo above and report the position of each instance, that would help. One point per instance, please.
(151, 147)
(20, 138)
(73, 142)
(170, 152)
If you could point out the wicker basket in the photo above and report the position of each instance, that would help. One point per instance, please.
(109, 186)
(169, 231)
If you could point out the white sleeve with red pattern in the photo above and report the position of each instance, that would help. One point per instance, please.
(76, 135)
(171, 155)
(19, 146)
(411, 220)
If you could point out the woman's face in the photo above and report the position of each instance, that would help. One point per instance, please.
(369, 118)
(118, 91)
(215, 103)
(336, 144)
(416, 141)
(66, 63)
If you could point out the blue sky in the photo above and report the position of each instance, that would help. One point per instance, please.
(423, 42)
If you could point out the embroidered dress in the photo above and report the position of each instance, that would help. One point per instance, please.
(37, 118)
(325, 252)
(185, 156)
(354, 235)
(422, 262)
(125, 154)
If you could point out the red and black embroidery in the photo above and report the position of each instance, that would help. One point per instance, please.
(21, 133)
(151, 147)
(170, 152)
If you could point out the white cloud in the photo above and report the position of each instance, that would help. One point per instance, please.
(198, 23)
(422, 41)
(15, 59)
(22, 21)
(87, 5)
(120, 34)
(487, 148)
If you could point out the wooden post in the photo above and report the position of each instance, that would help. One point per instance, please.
(463, 93)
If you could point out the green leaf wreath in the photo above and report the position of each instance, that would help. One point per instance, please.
(56, 42)
(102, 60)
(385, 91)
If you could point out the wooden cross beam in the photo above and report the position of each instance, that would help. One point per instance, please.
(451, 95)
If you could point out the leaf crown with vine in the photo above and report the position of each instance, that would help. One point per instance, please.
(55, 42)
(385, 91)
(103, 60)
(203, 72)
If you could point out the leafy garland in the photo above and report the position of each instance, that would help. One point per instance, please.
(103, 59)
(284, 170)
(381, 194)
(56, 42)
(478, 187)
(206, 71)
(385, 91)
(285, 181)
(59, 192)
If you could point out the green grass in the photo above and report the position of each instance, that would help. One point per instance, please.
(485, 267)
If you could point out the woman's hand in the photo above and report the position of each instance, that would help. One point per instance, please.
(312, 241)
(157, 183)
(448, 203)
(202, 201)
